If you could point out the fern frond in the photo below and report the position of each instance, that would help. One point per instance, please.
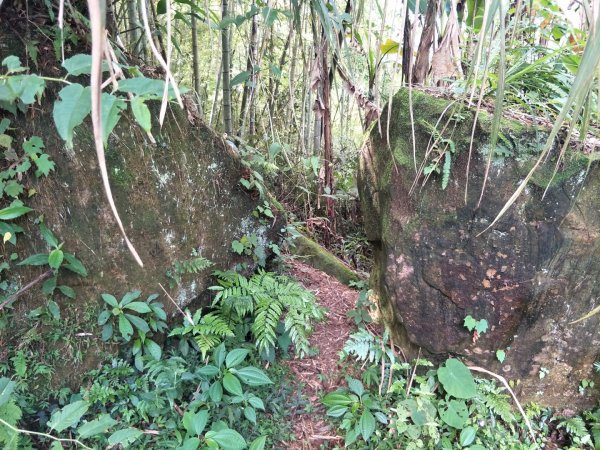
(264, 328)
(446, 169)
(574, 426)
(363, 346)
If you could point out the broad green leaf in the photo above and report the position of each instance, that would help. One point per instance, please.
(258, 443)
(153, 349)
(219, 355)
(96, 426)
(138, 322)
(235, 357)
(389, 46)
(67, 291)
(44, 165)
(103, 317)
(7, 387)
(107, 331)
(469, 323)
(70, 111)
(141, 113)
(111, 113)
(215, 392)
(33, 146)
(13, 64)
(208, 371)
(269, 15)
(144, 87)
(4, 124)
(110, 299)
(356, 386)
(125, 328)
(12, 212)
(274, 149)
(232, 385)
(199, 421)
(455, 413)
(240, 78)
(457, 379)
(257, 403)
(74, 265)
(250, 414)
(367, 424)
(336, 399)
(27, 87)
(500, 355)
(81, 64)
(192, 443)
(56, 445)
(40, 259)
(50, 285)
(467, 436)
(352, 435)
(48, 236)
(124, 437)
(337, 411)
(139, 307)
(237, 246)
(227, 439)
(129, 297)
(55, 258)
(482, 326)
(5, 140)
(68, 416)
(252, 376)
(13, 188)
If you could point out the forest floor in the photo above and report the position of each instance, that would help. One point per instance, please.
(322, 372)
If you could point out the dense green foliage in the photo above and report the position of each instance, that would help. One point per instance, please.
(298, 69)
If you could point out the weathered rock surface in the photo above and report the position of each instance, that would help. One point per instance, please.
(529, 276)
(179, 196)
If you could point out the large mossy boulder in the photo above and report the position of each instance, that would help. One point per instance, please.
(178, 199)
(529, 276)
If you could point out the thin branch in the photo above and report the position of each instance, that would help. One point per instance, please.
(506, 385)
(48, 436)
(185, 315)
(29, 285)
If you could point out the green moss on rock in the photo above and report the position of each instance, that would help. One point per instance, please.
(322, 259)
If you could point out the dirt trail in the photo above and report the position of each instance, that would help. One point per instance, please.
(320, 373)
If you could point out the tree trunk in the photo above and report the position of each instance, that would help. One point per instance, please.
(195, 55)
(226, 68)
(213, 112)
(407, 47)
(422, 63)
(135, 28)
(247, 110)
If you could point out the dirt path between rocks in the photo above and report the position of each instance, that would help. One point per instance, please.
(320, 373)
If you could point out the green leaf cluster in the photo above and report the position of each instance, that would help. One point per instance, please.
(269, 300)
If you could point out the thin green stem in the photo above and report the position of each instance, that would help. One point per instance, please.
(35, 433)
(58, 80)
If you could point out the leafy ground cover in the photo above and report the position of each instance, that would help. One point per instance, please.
(213, 383)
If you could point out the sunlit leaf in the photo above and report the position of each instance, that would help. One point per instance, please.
(70, 111)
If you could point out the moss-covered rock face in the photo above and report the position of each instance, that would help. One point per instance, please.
(529, 276)
(179, 196)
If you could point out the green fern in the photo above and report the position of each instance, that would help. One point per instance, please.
(10, 413)
(575, 426)
(363, 346)
(269, 299)
(194, 265)
(207, 331)
(496, 401)
(446, 169)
